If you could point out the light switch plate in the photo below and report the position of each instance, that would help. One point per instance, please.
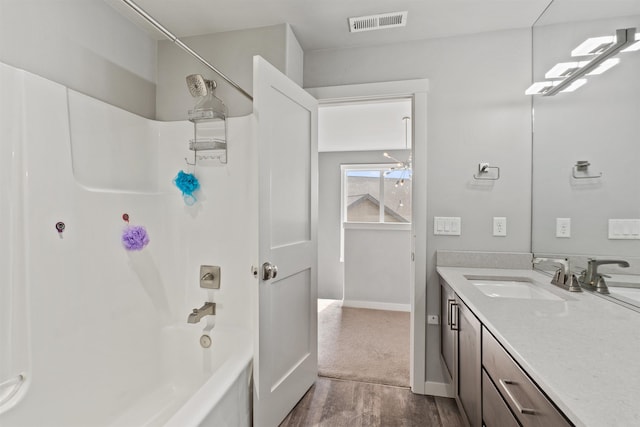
(563, 227)
(447, 225)
(499, 226)
(624, 229)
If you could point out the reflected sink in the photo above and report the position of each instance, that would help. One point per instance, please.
(517, 288)
(628, 293)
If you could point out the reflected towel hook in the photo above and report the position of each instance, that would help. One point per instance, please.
(483, 168)
(583, 166)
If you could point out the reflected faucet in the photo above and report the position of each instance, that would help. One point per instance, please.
(208, 309)
(562, 277)
(594, 280)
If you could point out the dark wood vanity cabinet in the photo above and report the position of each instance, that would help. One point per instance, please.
(490, 388)
(495, 412)
(460, 343)
(469, 387)
(447, 330)
(527, 402)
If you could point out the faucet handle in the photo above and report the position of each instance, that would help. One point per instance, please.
(559, 277)
(210, 276)
(601, 286)
(573, 283)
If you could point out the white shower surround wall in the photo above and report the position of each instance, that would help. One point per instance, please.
(100, 333)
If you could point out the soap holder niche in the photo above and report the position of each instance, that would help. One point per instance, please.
(209, 136)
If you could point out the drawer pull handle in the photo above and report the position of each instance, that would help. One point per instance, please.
(519, 407)
(454, 325)
(449, 302)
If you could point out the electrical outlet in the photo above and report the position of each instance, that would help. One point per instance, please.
(499, 226)
(563, 227)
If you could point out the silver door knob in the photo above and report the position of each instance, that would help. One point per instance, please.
(269, 271)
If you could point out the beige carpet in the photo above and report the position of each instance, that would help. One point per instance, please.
(364, 345)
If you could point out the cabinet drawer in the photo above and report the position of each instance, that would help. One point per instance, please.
(524, 398)
(495, 412)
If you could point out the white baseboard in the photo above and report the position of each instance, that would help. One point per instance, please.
(377, 305)
(438, 389)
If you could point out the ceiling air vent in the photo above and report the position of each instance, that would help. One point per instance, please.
(378, 22)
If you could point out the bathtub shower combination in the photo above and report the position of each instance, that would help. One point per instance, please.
(93, 334)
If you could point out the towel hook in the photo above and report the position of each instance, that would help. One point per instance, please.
(583, 166)
(483, 168)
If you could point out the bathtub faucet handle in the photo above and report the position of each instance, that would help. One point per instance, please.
(210, 276)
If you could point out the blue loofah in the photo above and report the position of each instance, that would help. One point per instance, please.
(187, 183)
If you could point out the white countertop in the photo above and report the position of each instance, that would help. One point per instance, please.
(583, 351)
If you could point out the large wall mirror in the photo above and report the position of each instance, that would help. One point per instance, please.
(586, 142)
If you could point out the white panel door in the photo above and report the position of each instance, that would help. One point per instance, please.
(286, 352)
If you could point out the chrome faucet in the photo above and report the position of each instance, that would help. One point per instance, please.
(562, 277)
(594, 280)
(208, 309)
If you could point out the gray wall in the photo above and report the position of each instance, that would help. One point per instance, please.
(477, 113)
(377, 267)
(82, 44)
(330, 269)
(232, 53)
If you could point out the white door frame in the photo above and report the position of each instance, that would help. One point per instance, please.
(417, 90)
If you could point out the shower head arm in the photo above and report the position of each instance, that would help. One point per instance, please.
(158, 26)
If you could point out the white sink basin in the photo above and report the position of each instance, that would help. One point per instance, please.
(518, 288)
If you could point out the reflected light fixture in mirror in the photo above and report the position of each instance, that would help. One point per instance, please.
(596, 45)
(601, 49)
(540, 88)
(565, 69)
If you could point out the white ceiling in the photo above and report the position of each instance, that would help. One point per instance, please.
(322, 24)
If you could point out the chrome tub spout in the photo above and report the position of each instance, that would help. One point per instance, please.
(208, 309)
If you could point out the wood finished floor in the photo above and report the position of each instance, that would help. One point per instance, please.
(335, 403)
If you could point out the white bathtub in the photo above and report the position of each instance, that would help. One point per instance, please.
(201, 386)
(99, 335)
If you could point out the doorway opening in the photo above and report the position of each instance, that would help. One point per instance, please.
(364, 331)
(416, 91)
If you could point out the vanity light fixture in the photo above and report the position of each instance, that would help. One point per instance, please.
(575, 85)
(542, 88)
(634, 47)
(597, 45)
(609, 63)
(593, 46)
(600, 49)
(564, 69)
(539, 88)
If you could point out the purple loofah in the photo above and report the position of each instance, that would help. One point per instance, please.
(135, 238)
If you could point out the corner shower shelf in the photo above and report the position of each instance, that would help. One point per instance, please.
(210, 133)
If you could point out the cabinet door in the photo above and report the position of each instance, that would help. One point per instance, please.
(469, 387)
(447, 332)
